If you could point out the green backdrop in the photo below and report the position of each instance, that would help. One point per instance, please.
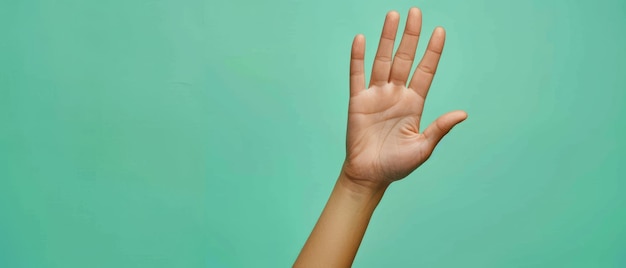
(187, 133)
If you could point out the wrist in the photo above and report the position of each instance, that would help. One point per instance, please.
(360, 188)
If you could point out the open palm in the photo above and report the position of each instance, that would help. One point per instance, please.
(384, 142)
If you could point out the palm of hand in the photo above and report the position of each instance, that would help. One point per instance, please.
(383, 134)
(384, 142)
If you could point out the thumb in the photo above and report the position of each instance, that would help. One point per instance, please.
(435, 132)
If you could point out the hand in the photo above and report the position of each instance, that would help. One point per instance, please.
(384, 142)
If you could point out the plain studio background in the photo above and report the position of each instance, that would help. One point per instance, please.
(209, 133)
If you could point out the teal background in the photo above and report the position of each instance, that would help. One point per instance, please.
(192, 133)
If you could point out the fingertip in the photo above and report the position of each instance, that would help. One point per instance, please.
(359, 40)
(465, 115)
(459, 115)
(392, 14)
(438, 39)
(415, 11)
(440, 30)
(358, 47)
(392, 19)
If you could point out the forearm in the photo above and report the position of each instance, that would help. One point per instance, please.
(338, 233)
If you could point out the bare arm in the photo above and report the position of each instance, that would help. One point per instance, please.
(339, 230)
(384, 142)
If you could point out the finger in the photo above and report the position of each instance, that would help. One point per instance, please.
(425, 71)
(382, 62)
(405, 55)
(357, 73)
(438, 129)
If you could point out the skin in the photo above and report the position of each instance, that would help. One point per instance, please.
(384, 143)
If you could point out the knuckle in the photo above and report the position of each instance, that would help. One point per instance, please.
(383, 58)
(413, 33)
(405, 56)
(426, 69)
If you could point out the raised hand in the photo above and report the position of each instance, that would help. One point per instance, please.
(384, 142)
